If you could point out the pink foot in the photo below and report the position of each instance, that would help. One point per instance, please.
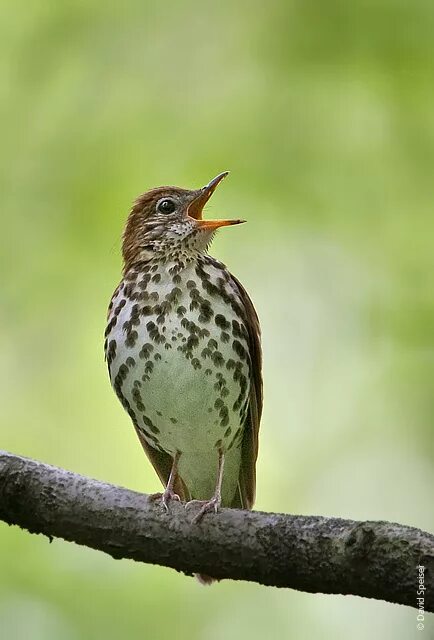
(166, 497)
(208, 506)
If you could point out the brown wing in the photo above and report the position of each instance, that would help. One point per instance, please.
(162, 464)
(245, 497)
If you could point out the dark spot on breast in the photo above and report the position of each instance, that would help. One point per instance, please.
(219, 385)
(203, 275)
(195, 295)
(143, 283)
(192, 342)
(148, 422)
(131, 339)
(126, 326)
(149, 436)
(146, 350)
(236, 329)
(110, 325)
(134, 315)
(176, 268)
(237, 403)
(218, 359)
(154, 333)
(111, 351)
(128, 290)
(137, 399)
(119, 307)
(239, 349)
(224, 411)
(156, 277)
(206, 313)
(224, 421)
(210, 288)
(221, 321)
(146, 310)
(196, 363)
(128, 409)
(173, 296)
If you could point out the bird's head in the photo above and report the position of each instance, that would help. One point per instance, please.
(167, 221)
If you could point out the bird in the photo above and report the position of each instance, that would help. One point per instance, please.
(183, 349)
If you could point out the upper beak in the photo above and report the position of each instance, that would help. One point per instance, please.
(196, 206)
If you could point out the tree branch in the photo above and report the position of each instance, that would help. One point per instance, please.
(308, 553)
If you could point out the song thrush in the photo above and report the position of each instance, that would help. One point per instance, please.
(183, 352)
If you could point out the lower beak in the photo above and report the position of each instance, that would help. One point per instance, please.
(215, 224)
(195, 208)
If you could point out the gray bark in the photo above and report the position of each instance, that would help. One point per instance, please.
(309, 553)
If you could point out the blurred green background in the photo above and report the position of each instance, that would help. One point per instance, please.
(324, 114)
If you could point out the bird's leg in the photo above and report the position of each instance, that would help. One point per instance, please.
(215, 502)
(169, 494)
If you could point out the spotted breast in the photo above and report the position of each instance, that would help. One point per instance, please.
(177, 350)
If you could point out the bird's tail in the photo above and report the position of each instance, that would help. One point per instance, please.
(204, 579)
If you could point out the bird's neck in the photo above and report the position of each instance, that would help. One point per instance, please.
(182, 251)
(173, 262)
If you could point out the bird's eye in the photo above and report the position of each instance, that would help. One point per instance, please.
(166, 206)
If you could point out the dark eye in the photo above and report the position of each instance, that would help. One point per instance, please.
(166, 206)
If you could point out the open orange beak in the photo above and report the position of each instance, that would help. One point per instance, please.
(195, 208)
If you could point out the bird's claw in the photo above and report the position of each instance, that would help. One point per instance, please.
(165, 496)
(207, 506)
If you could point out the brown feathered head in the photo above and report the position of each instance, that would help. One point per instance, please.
(167, 221)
